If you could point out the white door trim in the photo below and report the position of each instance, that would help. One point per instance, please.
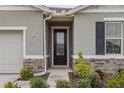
(52, 52)
(24, 35)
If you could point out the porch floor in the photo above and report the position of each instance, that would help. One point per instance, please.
(57, 74)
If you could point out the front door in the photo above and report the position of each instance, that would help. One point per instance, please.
(60, 47)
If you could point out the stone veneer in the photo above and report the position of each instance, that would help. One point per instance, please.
(36, 64)
(105, 65)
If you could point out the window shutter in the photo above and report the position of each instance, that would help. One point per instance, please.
(100, 38)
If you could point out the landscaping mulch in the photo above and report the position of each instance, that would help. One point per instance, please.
(73, 79)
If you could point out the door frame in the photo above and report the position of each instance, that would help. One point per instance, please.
(52, 50)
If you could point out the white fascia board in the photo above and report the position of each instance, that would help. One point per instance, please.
(102, 10)
(76, 9)
(113, 18)
(35, 56)
(17, 7)
(12, 28)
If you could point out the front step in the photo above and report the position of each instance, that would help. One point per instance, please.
(57, 74)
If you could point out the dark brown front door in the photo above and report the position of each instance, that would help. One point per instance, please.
(60, 47)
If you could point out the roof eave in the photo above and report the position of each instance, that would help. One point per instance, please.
(78, 8)
(43, 8)
(70, 12)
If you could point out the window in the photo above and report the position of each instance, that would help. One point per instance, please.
(60, 43)
(113, 37)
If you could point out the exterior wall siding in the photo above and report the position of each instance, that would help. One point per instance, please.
(84, 31)
(33, 20)
(82, 37)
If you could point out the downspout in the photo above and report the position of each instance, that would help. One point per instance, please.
(47, 18)
(44, 47)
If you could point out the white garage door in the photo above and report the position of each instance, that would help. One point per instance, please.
(11, 51)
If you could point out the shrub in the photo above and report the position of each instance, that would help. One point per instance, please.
(120, 76)
(94, 79)
(84, 83)
(26, 74)
(117, 81)
(113, 84)
(38, 82)
(82, 70)
(62, 84)
(10, 85)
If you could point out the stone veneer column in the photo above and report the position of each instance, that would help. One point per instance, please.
(36, 64)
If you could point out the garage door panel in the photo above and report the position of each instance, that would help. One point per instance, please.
(11, 51)
(11, 61)
(8, 56)
(10, 68)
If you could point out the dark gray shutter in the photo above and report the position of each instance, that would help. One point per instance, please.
(100, 38)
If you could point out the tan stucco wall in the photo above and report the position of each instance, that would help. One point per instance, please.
(33, 20)
(84, 31)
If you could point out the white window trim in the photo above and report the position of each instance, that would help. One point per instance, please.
(35, 56)
(102, 11)
(100, 56)
(113, 18)
(52, 52)
(115, 38)
(18, 8)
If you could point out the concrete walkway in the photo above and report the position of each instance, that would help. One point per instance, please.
(57, 74)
